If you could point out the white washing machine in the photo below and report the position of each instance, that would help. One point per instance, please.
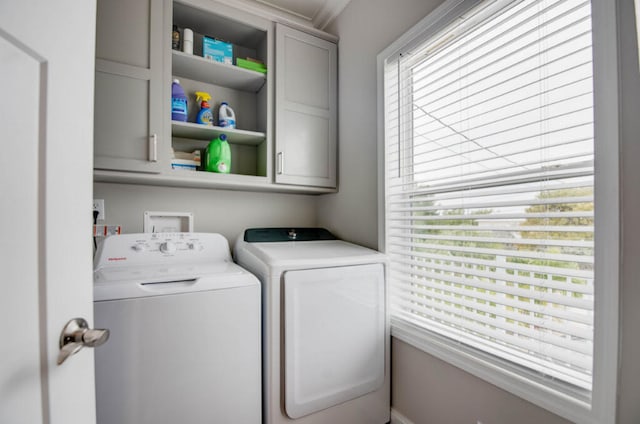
(185, 332)
(325, 326)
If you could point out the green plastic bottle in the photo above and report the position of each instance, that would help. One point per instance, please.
(218, 155)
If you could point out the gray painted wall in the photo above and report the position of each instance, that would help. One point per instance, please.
(422, 386)
(220, 211)
(428, 390)
(365, 28)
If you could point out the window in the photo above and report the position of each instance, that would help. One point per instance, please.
(489, 192)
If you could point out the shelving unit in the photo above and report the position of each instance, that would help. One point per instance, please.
(248, 92)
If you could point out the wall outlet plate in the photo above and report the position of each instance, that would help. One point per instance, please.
(98, 205)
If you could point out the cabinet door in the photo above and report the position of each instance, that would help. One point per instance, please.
(128, 124)
(306, 105)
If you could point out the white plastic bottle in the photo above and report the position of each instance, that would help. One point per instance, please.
(187, 41)
(226, 116)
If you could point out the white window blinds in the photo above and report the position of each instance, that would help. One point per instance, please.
(489, 186)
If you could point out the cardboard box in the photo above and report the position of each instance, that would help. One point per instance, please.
(252, 65)
(184, 164)
(217, 50)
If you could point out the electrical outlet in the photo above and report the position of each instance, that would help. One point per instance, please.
(98, 205)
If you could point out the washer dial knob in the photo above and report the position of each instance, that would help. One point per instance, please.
(194, 246)
(139, 247)
(168, 247)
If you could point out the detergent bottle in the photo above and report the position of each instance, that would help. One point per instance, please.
(178, 102)
(205, 116)
(218, 155)
(226, 116)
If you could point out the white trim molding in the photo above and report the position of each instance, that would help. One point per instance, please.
(600, 407)
(398, 418)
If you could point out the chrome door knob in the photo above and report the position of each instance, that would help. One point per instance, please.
(76, 335)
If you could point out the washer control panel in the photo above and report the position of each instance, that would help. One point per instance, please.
(168, 243)
(147, 248)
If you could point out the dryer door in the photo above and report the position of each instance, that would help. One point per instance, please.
(333, 336)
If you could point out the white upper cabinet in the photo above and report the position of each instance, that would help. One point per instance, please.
(285, 135)
(128, 117)
(306, 109)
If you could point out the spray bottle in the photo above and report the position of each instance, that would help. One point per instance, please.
(205, 116)
(218, 155)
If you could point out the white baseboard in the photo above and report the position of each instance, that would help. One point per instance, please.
(398, 418)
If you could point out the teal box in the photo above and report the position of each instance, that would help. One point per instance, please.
(217, 50)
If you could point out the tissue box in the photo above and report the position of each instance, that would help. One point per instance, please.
(184, 164)
(186, 161)
(217, 50)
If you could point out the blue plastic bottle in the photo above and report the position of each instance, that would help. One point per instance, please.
(178, 102)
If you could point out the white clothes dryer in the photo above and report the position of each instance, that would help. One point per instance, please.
(185, 331)
(325, 326)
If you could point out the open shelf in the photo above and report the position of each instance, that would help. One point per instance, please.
(208, 132)
(212, 72)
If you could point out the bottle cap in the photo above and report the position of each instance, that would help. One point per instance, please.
(224, 103)
(222, 137)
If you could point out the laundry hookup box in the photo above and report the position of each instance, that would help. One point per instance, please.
(217, 50)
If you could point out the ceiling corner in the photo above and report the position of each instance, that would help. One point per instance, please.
(329, 10)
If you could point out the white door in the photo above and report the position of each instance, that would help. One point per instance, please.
(46, 120)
